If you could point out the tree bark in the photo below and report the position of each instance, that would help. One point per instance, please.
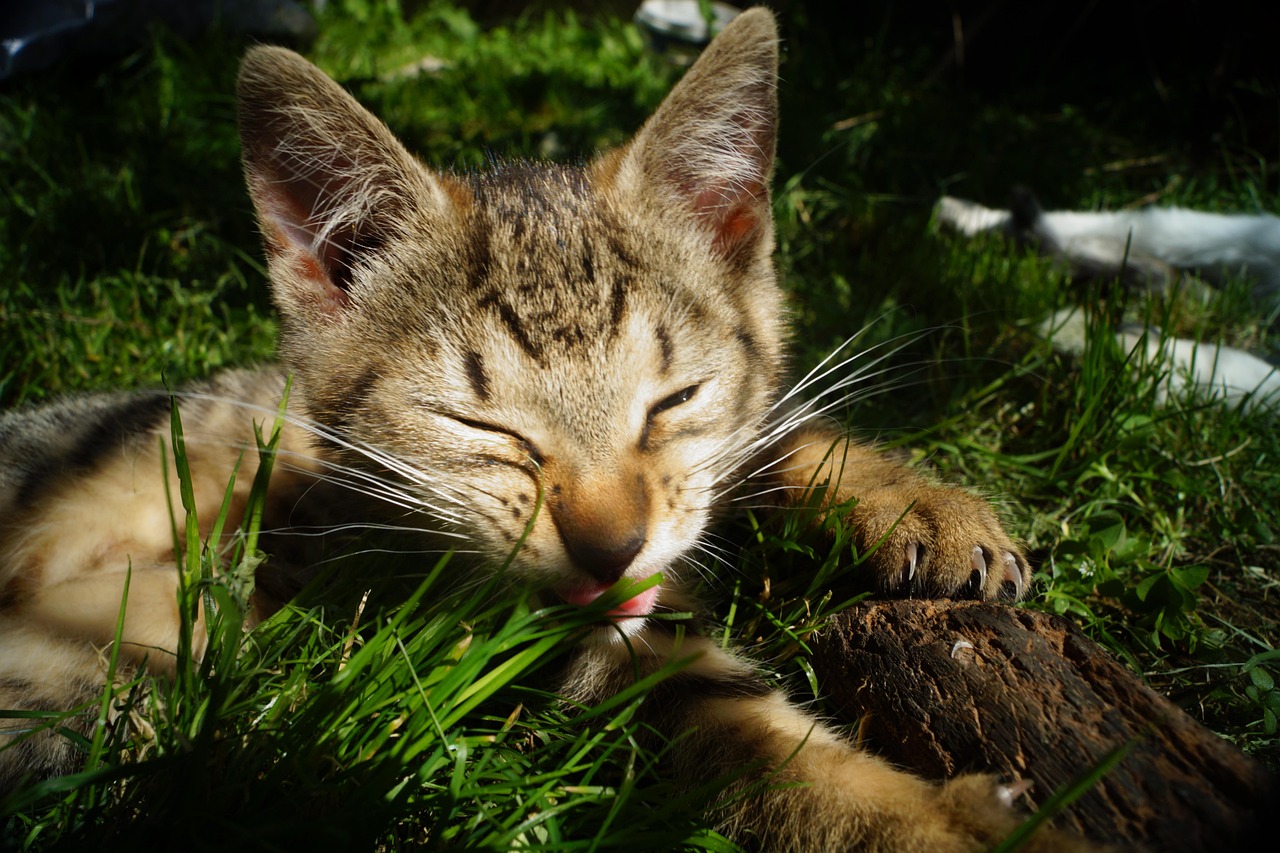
(948, 687)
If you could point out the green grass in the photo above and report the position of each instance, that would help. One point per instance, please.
(128, 258)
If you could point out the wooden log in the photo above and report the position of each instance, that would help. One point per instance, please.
(948, 687)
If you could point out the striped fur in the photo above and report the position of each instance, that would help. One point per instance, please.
(606, 340)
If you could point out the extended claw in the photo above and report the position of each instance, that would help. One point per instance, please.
(909, 564)
(978, 563)
(1013, 574)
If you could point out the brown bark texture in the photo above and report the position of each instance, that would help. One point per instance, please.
(950, 687)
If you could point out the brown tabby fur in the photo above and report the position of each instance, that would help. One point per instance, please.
(606, 339)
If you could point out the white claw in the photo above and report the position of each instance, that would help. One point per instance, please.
(1008, 794)
(979, 564)
(913, 553)
(1013, 574)
(960, 646)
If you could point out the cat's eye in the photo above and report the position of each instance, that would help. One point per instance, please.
(679, 398)
(682, 396)
(525, 446)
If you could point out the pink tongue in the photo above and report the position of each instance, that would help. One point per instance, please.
(640, 605)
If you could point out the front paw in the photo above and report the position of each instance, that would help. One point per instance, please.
(939, 542)
(977, 808)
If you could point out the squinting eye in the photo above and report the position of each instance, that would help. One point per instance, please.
(525, 446)
(682, 396)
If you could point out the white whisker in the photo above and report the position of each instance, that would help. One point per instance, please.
(785, 416)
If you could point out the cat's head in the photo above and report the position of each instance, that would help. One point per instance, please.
(575, 358)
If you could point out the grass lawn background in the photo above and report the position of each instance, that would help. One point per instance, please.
(128, 257)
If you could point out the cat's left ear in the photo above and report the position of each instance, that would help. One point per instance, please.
(709, 148)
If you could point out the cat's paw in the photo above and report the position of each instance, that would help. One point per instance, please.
(979, 812)
(977, 808)
(937, 541)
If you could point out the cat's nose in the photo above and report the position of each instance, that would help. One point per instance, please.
(604, 557)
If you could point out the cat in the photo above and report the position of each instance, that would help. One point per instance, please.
(1150, 246)
(605, 341)
(1188, 371)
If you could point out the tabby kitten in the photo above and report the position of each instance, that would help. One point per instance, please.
(605, 341)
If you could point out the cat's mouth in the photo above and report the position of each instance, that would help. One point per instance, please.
(641, 604)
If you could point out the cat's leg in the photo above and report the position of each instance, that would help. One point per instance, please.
(923, 537)
(89, 538)
(96, 512)
(55, 657)
(799, 784)
(89, 608)
(68, 557)
(44, 672)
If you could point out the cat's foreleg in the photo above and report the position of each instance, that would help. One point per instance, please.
(921, 537)
(796, 784)
(43, 672)
(89, 608)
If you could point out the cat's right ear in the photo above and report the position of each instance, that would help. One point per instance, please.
(330, 183)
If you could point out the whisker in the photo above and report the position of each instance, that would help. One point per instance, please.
(364, 552)
(819, 405)
(318, 530)
(359, 480)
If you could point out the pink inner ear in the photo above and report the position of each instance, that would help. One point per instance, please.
(732, 212)
(292, 243)
(736, 227)
(319, 290)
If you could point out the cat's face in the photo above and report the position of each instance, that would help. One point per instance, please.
(574, 361)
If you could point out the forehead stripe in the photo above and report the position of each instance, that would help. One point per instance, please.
(664, 345)
(512, 321)
(618, 303)
(476, 374)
